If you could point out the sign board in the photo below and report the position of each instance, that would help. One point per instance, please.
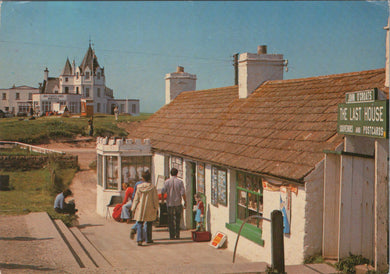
(362, 115)
(364, 96)
(218, 240)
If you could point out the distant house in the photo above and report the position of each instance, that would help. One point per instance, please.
(17, 100)
(87, 81)
(268, 143)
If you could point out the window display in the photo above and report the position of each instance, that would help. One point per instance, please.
(249, 197)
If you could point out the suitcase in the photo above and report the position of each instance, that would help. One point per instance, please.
(201, 236)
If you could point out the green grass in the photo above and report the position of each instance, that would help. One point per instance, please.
(33, 191)
(43, 129)
(17, 151)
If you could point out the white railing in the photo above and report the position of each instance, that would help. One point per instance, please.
(29, 147)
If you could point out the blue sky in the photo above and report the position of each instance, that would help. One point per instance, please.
(139, 42)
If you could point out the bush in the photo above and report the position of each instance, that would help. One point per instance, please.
(347, 265)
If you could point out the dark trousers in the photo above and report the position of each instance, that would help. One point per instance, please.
(69, 208)
(174, 217)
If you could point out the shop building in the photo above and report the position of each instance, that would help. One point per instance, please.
(268, 143)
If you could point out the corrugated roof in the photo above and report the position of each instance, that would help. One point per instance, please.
(280, 130)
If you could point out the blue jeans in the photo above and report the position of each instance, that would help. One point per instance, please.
(174, 217)
(144, 232)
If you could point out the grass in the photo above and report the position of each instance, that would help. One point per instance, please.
(17, 151)
(33, 191)
(43, 129)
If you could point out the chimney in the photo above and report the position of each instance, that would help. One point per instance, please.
(46, 74)
(387, 74)
(256, 68)
(177, 82)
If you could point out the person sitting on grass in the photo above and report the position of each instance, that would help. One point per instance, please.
(60, 206)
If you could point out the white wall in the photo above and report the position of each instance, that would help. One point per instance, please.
(313, 218)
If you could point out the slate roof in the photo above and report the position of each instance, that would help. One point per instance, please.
(67, 70)
(49, 85)
(280, 130)
(90, 60)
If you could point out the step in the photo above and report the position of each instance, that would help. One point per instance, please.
(95, 255)
(75, 246)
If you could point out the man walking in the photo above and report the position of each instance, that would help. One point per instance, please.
(174, 188)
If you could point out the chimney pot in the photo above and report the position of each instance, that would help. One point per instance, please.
(180, 69)
(262, 49)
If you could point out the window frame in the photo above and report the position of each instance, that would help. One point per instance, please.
(250, 231)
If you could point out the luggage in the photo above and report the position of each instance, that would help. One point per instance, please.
(201, 236)
(116, 213)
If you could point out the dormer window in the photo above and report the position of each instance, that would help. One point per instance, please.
(98, 75)
(87, 75)
(66, 79)
(77, 75)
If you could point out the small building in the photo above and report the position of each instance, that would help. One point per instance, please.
(268, 143)
(17, 100)
(119, 161)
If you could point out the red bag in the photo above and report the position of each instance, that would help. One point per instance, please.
(116, 213)
(201, 236)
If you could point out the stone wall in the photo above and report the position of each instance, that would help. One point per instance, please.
(35, 162)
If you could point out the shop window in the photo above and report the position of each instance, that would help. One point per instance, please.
(112, 172)
(177, 163)
(249, 202)
(218, 186)
(133, 166)
(200, 178)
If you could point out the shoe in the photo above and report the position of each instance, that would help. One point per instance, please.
(177, 237)
(150, 242)
(132, 233)
(128, 221)
(139, 243)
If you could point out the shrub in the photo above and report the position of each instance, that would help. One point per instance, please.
(347, 265)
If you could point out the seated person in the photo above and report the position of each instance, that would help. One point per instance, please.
(127, 202)
(61, 206)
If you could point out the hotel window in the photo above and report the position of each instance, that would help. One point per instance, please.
(66, 79)
(17, 96)
(77, 90)
(98, 75)
(98, 107)
(66, 90)
(4, 96)
(249, 202)
(98, 92)
(77, 75)
(86, 92)
(177, 163)
(87, 75)
(30, 96)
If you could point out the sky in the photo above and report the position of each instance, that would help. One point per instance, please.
(138, 43)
